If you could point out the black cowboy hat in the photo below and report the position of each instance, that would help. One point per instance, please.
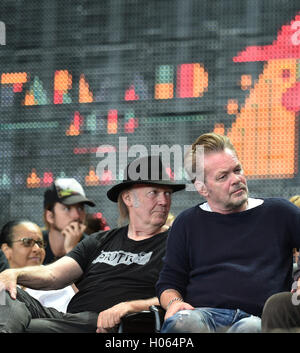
(145, 170)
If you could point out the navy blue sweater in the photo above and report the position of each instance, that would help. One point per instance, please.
(233, 261)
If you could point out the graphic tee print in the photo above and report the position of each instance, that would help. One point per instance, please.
(115, 258)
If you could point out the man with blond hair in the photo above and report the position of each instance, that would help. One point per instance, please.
(227, 255)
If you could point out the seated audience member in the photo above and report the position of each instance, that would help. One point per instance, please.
(281, 311)
(115, 272)
(295, 200)
(23, 245)
(64, 217)
(94, 223)
(3, 261)
(225, 256)
(170, 220)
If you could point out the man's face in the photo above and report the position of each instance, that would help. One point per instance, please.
(63, 215)
(225, 186)
(150, 205)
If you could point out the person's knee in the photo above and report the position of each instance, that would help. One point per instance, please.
(251, 324)
(40, 326)
(280, 311)
(187, 321)
(14, 315)
(278, 301)
(275, 305)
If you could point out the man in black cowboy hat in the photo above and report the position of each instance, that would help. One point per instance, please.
(115, 271)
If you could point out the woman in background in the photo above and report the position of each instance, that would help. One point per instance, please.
(23, 245)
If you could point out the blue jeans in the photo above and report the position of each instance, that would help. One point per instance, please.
(211, 320)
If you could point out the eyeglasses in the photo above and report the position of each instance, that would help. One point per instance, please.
(30, 242)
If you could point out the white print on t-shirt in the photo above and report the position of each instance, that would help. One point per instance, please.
(115, 258)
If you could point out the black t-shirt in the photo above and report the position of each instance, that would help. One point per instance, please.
(118, 270)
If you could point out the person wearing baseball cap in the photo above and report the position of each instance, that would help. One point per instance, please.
(64, 217)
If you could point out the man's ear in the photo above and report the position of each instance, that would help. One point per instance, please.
(126, 197)
(201, 188)
(49, 215)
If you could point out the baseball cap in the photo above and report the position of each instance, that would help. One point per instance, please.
(67, 191)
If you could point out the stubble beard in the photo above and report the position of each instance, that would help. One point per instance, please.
(237, 204)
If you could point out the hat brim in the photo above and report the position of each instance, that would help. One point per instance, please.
(114, 192)
(73, 199)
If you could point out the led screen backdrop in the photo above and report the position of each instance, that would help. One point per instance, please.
(78, 75)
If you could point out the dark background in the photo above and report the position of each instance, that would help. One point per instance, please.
(118, 45)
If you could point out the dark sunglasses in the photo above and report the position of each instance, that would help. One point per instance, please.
(30, 242)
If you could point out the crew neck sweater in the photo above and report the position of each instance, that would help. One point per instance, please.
(232, 261)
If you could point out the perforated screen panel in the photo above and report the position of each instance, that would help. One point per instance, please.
(78, 75)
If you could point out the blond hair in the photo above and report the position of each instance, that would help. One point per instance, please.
(210, 142)
(123, 211)
(295, 200)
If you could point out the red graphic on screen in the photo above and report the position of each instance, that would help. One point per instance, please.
(265, 130)
(74, 128)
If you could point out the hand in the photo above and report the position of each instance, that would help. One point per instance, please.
(177, 306)
(72, 233)
(111, 317)
(8, 281)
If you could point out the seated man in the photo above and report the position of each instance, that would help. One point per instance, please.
(115, 272)
(225, 256)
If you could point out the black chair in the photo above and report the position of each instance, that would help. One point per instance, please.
(147, 321)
